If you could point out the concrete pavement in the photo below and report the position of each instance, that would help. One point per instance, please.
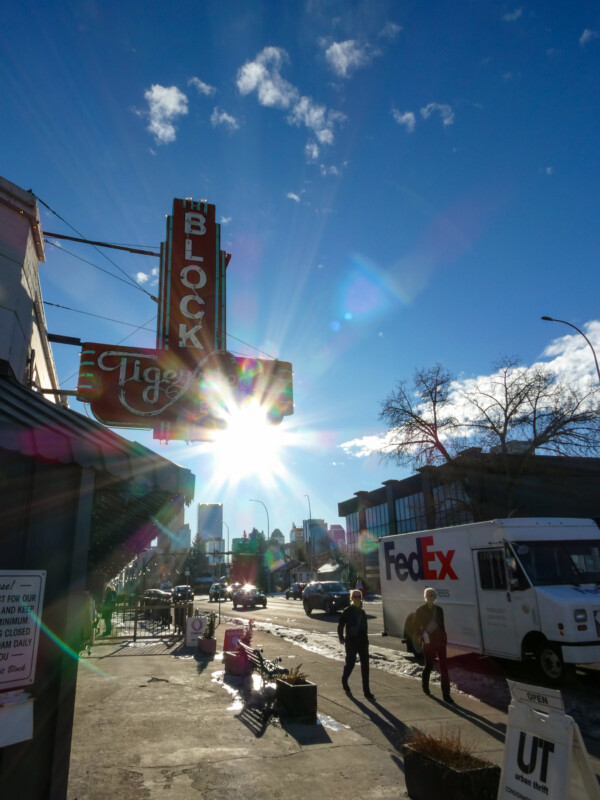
(159, 720)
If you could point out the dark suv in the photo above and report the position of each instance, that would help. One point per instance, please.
(183, 594)
(329, 596)
(218, 591)
(295, 591)
(249, 597)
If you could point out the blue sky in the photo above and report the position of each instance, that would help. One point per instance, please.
(399, 183)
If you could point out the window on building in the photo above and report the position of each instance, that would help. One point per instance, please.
(451, 505)
(378, 520)
(352, 532)
(492, 575)
(410, 513)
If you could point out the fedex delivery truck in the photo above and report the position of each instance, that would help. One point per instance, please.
(512, 588)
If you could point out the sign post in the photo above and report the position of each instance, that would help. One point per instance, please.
(544, 756)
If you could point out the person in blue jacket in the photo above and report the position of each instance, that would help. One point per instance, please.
(354, 634)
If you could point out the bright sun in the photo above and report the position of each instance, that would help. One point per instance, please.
(249, 445)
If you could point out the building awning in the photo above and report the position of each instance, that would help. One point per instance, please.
(137, 492)
(33, 426)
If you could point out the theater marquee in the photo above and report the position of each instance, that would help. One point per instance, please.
(180, 388)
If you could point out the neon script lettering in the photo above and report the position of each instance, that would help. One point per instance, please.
(421, 564)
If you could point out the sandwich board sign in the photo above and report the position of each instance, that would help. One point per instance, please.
(544, 756)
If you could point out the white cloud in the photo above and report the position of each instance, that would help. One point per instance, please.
(570, 358)
(220, 117)
(165, 103)
(144, 277)
(390, 30)
(225, 220)
(406, 118)
(513, 15)
(549, 170)
(263, 77)
(332, 170)
(345, 57)
(311, 151)
(446, 112)
(293, 196)
(203, 88)
(587, 36)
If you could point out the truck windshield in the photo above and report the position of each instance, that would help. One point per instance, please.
(555, 563)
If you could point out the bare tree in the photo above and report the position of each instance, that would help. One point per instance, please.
(513, 414)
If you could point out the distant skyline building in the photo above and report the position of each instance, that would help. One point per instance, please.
(337, 536)
(315, 536)
(278, 536)
(210, 520)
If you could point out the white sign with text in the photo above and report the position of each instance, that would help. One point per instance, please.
(544, 756)
(21, 600)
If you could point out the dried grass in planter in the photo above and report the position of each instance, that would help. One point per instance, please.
(445, 747)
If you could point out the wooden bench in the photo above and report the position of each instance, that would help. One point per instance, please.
(268, 670)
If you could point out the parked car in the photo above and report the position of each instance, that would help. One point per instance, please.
(328, 596)
(218, 591)
(183, 594)
(295, 591)
(157, 605)
(249, 597)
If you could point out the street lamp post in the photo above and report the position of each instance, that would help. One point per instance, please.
(564, 322)
(227, 526)
(310, 539)
(268, 537)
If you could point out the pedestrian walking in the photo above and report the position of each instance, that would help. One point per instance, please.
(431, 631)
(110, 601)
(354, 634)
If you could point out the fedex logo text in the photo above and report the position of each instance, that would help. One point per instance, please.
(419, 565)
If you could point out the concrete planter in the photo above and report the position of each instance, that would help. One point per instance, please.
(297, 699)
(208, 646)
(428, 779)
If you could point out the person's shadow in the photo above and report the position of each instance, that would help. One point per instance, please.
(395, 731)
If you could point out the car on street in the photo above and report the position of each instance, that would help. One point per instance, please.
(183, 594)
(156, 605)
(295, 591)
(249, 596)
(327, 596)
(232, 589)
(218, 591)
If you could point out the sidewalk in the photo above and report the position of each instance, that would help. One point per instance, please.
(157, 720)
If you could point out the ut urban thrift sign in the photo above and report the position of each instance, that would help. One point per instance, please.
(180, 388)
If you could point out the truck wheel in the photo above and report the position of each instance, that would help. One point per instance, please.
(550, 663)
(307, 609)
(415, 645)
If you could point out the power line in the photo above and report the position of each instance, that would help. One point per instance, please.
(127, 248)
(56, 214)
(128, 282)
(98, 316)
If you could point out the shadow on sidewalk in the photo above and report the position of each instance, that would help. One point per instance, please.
(395, 731)
(497, 730)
